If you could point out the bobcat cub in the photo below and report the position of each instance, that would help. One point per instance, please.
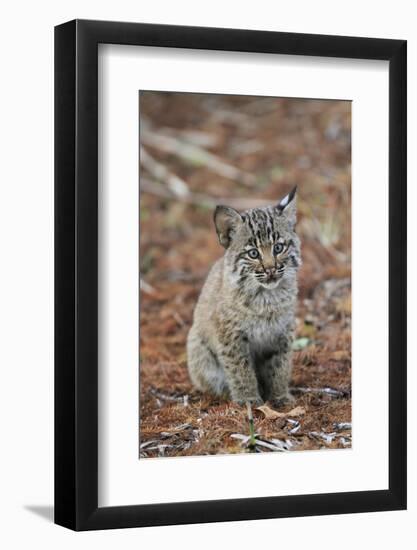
(240, 340)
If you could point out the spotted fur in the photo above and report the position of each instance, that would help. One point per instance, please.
(240, 342)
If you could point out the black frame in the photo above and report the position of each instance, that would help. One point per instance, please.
(76, 270)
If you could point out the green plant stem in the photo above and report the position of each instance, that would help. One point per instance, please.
(252, 438)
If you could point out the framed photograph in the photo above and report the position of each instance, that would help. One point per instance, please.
(230, 254)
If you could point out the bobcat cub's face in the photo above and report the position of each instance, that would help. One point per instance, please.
(261, 243)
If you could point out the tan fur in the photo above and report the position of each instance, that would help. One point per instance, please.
(240, 342)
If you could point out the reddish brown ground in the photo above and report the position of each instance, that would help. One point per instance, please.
(279, 143)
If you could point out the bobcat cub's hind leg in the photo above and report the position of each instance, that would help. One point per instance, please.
(205, 372)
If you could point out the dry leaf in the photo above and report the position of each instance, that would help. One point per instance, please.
(297, 411)
(269, 413)
(341, 355)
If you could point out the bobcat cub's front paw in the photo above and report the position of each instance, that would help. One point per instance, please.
(252, 400)
(284, 399)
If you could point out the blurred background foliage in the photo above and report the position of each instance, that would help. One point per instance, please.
(199, 150)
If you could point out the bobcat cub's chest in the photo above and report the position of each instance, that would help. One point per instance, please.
(265, 336)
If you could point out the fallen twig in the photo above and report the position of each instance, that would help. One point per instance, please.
(178, 319)
(176, 185)
(272, 445)
(328, 438)
(180, 438)
(195, 155)
(295, 426)
(167, 397)
(199, 199)
(196, 137)
(230, 116)
(177, 430)
(341, 426)
(146, 287)
(327, 391)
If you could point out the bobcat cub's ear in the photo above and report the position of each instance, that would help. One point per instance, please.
(226, 220)
(287, 206)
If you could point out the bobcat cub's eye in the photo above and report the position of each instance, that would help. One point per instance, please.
(278, 248)
(253, 253)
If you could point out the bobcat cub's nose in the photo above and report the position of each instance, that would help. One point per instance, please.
(270, 271)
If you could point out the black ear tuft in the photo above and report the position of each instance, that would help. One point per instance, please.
(284, 202)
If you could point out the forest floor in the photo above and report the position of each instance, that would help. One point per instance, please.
(272, 144)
